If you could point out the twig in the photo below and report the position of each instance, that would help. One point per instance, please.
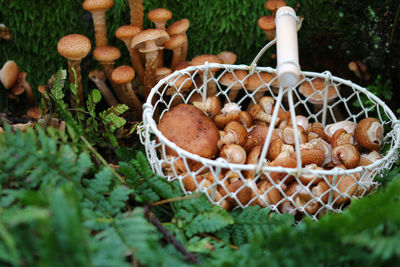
(174, 199)
(219, 240)
(170, 238)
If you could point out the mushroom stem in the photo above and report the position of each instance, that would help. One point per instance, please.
(150, 70)
(75, 64)
(28, 89)
(135, 60)
(136, 7)
(95, 76)
(176, 57)
(108, 68)
(99, 22)
(133, 100)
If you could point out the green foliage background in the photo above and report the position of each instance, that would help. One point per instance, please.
(333, 33)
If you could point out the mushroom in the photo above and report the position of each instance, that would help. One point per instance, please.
(325, 147)
(252, 158)
(149, 42)
(5, 33)
(125, 33)
(258, 135)
(241, 191)
(234, 81)
(27, 87)
(367, 159)
(258, 113)
(310, 155)
(201, 60)
(98, 10)
(341, 137)
(227, 57)
(261, 82)
(284, 160)
(212, 106)
(74, 47)
(268, 194)
(289, 136)
(9, 74)
(230, 112)
(344, 187)
(98, 77)
(190, 129)
(180, 27)
(175, 44)
(315, 130)
(267, 24)
(136, 13)
(162, 72)
(159, 17)
(346, 154)
(234, 133)
(233, 153)
(309, 178)
(267, 104)
(369, 133)
(330, 129)
(179, 88)
(106, 55)
(123, 76)
(274, 5)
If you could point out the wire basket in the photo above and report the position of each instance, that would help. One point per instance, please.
(241, 185)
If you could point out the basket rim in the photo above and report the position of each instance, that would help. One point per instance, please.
(148, 121)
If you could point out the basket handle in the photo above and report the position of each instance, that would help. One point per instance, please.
(288, 70)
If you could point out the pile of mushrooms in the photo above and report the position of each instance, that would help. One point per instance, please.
(227, 133)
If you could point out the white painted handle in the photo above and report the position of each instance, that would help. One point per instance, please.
(288, 68)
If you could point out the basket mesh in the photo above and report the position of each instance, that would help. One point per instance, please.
(299, 191)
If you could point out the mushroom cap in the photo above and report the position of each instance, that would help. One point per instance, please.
(163, 71)
(9, 74)
(227, 57)
(156, 35)
(34, 113)
(178, 27)
(256, 80)
(159, 15)
(127, 31)
(317, 84)
(182, 65)
(74, 46)
(369, 133)
(106, 53)
(97, 74)
(176, 41)
(93, 5)
(266, 23)
(123, 74)
(274, 4)
(182, 82)
(233, 78)
(17, 89)
(200, 60)
(190, 129)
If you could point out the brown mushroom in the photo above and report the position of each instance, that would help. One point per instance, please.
(190, 129)
(234, 133)
(150, 41)
(99, 78)
(9, 74)
(309, 178)
(212, 106)
(126, 33)
(106, 55)
(201, 60)
(180, 27)
(260, 83)
(289, 136)
(369, 133)
(341, 137)
(98, 10)
(258, 113)
(175, 44)
(346, 154)
(267, 24)
(233, 153)
(258, 135)
(311, 155)
(344, 188)
(74, 47)
(252, 158)
(274, 5)
(123, 76)
(234, 81)
(227, 57)
(330, 129)
(268, 194)
(230, 112)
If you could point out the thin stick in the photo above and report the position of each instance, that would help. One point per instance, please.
(170, 238)
(174, 199)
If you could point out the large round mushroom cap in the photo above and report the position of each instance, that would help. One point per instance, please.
(190, 129)
(274, 4)
(178, 27)
(74, 46)
(159, 15)
(106, 53)
(234, 78)
(127, 31)
(9, 74)
(257, 80)
(93, 5)
(123, 74)
(153, 35)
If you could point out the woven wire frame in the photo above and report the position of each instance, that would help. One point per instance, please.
(239, 185)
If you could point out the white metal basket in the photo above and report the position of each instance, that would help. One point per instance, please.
(303, 201)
